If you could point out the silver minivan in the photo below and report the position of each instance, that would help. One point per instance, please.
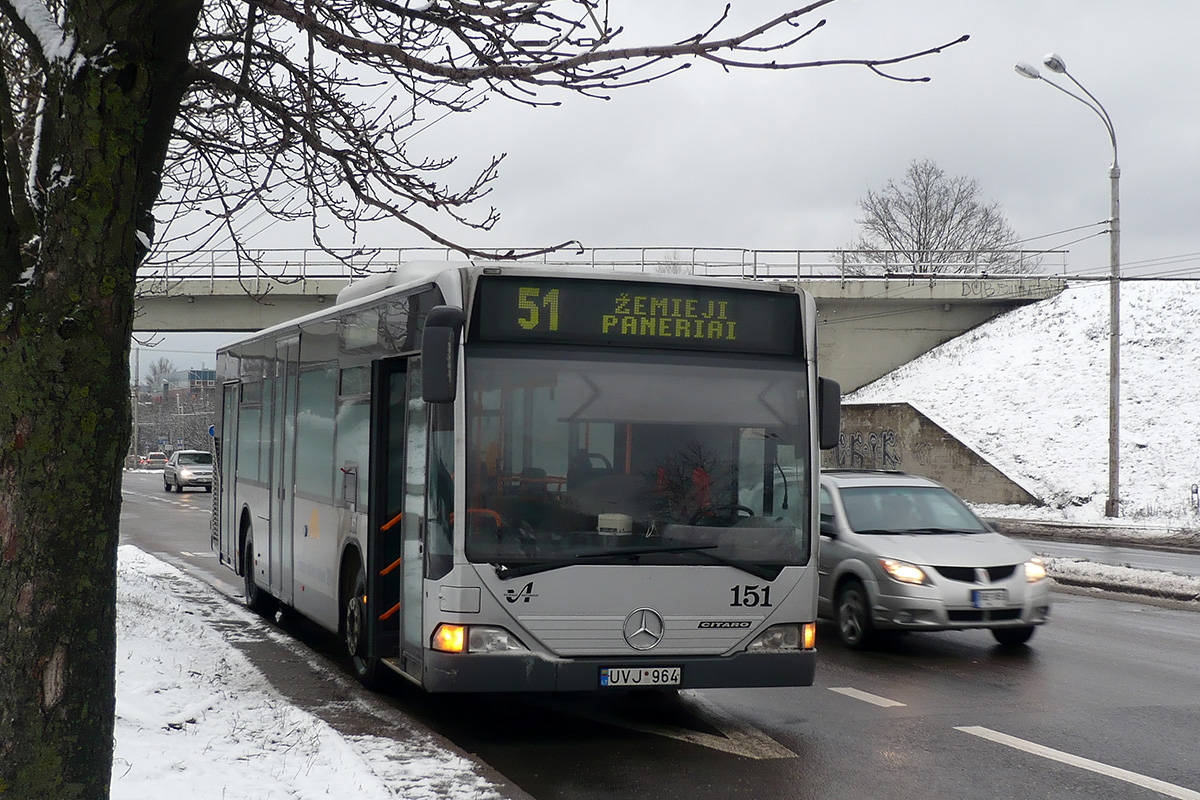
(903, 553)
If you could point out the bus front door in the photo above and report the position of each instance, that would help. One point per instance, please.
(394, 552)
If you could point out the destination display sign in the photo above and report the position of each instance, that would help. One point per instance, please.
(635, 314)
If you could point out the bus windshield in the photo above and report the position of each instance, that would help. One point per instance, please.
(666, 460)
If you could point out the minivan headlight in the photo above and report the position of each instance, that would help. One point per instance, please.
(904, 572)
(1035, 570)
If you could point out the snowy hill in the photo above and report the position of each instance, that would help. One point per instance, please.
(1029, 392)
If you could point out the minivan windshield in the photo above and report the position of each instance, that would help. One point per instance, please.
(908, 509)
(678, 459)
(195, 458)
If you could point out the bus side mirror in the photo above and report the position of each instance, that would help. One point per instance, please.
(439, 354)
(829, 399)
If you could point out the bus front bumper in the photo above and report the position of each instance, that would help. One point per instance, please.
(527, 672)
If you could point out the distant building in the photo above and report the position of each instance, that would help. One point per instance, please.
(191, 382)
(177, 413)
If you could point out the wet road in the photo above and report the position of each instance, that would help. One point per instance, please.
(1105, 702)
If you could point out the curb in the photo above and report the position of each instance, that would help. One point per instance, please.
(1122, 588)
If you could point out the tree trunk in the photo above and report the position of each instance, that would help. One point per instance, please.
(65, 389)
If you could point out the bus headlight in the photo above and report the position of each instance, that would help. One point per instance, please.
(1035, 570)
(450, 638)
(792, 636)
(486, 639)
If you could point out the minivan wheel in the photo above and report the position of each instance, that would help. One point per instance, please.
(854, 615)
(1011, 637)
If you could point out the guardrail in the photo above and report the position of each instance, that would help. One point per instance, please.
(299, 264)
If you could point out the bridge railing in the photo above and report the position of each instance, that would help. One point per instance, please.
(299, 264)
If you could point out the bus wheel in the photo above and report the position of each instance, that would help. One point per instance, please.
(354, 628)
(257, 600)
(854, 615)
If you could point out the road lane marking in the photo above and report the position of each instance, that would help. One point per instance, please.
(866, 697)
(1153, 784)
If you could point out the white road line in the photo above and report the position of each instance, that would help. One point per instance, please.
(867, 697)
(1153, 784)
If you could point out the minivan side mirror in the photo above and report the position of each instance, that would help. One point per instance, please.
(829, 403)
(439, 354)
(828, 528)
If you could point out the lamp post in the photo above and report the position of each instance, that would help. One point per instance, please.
(1054, 63)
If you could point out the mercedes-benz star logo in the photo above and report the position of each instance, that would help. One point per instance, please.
(644, 629)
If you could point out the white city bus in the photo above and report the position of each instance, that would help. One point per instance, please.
(490, 477)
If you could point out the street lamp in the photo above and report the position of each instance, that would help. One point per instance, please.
(1054, 63)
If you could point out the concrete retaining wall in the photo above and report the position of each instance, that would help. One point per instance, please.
(898, 436)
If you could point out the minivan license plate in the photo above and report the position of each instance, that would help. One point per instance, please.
(639, 676)
(989, 598)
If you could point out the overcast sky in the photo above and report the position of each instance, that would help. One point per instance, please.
(778, 160)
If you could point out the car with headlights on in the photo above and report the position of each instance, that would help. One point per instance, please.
(900, 552)
(188, 468)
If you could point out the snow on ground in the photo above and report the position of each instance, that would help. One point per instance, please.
(1029, 392)
(196, 719)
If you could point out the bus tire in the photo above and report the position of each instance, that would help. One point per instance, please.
(853, 615)
(354, 631)
(257, 600)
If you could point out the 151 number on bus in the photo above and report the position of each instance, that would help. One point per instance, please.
(751, 596)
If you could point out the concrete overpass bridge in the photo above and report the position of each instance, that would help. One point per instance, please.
(868, 325)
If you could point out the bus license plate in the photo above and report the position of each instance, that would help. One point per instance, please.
(639, 676)
(989, 598)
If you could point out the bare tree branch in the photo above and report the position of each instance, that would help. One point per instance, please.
(270, 117)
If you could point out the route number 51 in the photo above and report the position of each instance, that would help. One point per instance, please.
(528, 298)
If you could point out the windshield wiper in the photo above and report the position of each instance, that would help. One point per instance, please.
(506, 571)
(939, 530)
(902, 531)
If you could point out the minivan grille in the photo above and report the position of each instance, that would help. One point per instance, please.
(967, 574)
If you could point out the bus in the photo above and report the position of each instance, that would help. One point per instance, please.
(491, 477)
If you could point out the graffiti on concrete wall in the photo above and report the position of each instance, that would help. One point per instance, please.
(922, 453)
(1020, 288)
(873, 450)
